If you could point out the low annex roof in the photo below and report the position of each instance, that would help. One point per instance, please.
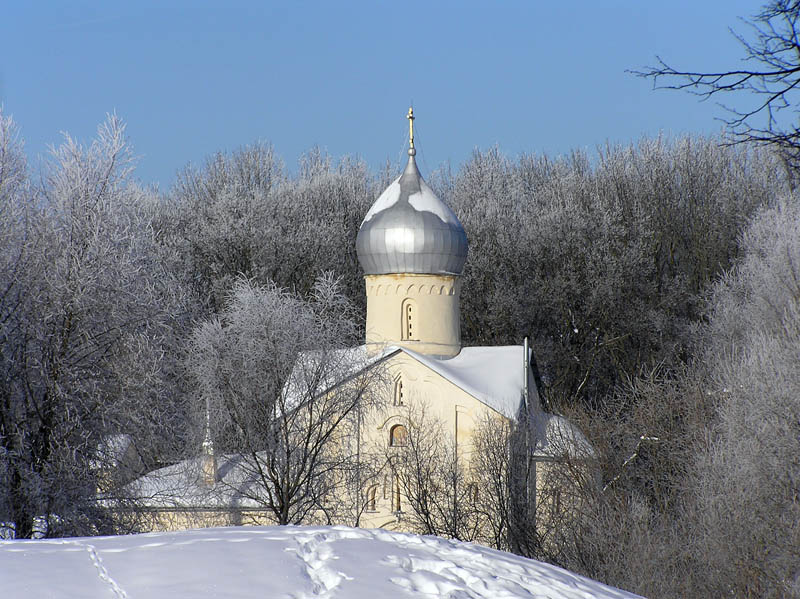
(557, 437)
(179, 485)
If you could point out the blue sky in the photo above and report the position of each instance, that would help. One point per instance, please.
(193, 77)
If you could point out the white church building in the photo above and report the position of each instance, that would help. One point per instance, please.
(412, 249)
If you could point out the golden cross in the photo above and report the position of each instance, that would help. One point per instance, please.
(410, 118)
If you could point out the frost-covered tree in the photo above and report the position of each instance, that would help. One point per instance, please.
(283, 394)
(700, 470)
(241, 214)
(603, 265)
(746, 501)
(84, 320)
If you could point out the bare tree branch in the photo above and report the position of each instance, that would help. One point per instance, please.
(770, 87)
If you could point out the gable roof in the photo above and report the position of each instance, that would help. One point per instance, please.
(492, 375)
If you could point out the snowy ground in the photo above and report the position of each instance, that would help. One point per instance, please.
(291, 562)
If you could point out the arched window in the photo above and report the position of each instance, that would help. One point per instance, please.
(371, 496)
(398, 436)
(399, 399)
(396, 505)
(409, 320)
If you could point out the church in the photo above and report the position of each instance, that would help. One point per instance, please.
(412, 249)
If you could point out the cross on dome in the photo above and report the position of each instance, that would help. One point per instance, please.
(410, 117)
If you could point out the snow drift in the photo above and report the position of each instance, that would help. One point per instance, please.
(292, 562)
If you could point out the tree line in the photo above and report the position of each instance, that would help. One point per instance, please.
(658, 282)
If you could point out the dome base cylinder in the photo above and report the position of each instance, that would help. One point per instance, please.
(416, 311)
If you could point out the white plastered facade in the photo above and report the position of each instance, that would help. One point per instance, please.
(417, 311)
(428, 394)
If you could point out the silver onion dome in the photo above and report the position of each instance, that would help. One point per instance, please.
(410, 230)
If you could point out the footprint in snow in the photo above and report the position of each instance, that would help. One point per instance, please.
(316, 553)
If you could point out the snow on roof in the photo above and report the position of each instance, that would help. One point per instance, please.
(387, 199)
(318, 371)
(180, 485)
(492, 375)
(425, 199)
(557, 437)
(280, 561)
(409, 230)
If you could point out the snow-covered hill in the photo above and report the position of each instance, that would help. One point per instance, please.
(291, 562)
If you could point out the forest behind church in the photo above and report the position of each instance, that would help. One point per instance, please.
(659, 283)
